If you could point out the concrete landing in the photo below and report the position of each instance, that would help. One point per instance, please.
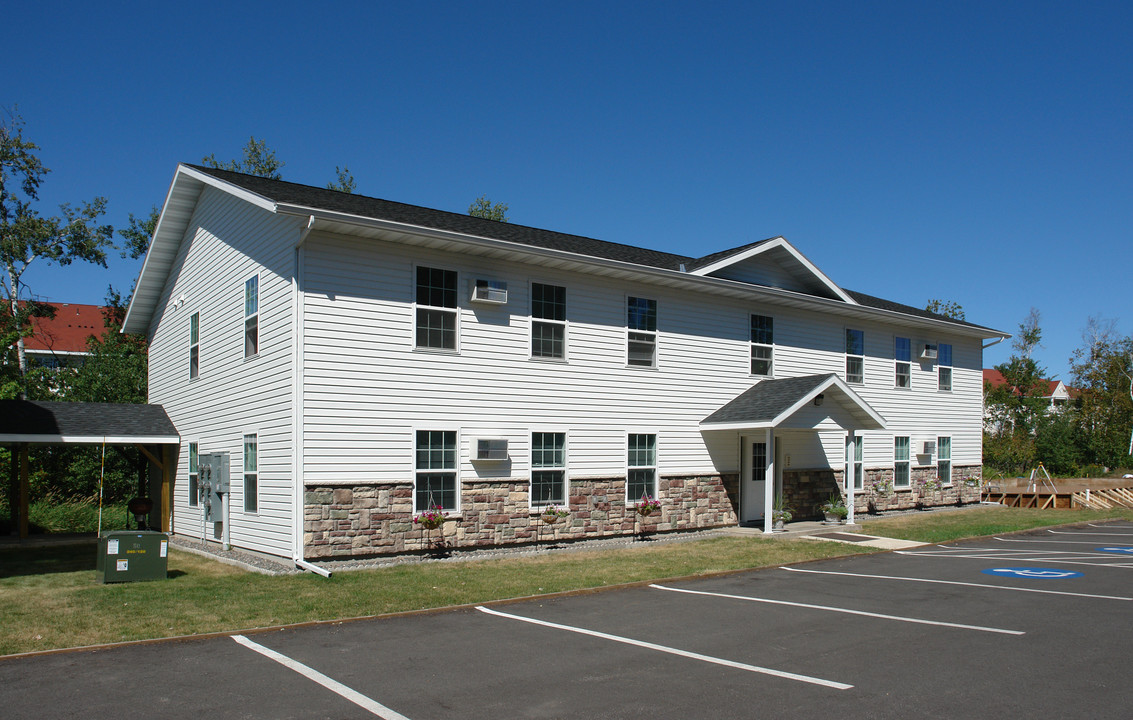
(830, 533)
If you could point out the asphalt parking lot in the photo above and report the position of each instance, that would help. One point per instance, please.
(1023, 625)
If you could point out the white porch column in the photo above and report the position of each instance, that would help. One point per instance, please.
(769, 484)
(848, 476)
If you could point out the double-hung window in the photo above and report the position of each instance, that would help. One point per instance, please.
(194, 345)
(435, 479)
(548, 321)
(762, 345)
(641, 329)
(436, 309)
(194, 476)
(944, 366)
(641, 477)
(548, 468)
(856, 461)
(901, 462)
(903, 371)
(251, 474)
(944, 460)
(252, 316)
(855, 356)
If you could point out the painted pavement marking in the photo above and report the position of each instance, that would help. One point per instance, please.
(898, 618)
(1091, 534)
(672, 651)
(1030, 573)
(956, 582)
(334, 686)
(1050, 556)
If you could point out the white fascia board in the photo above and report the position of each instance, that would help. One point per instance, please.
(36, 351)
(773, 244)
(707, 427)
(840, 385)
(91, 439)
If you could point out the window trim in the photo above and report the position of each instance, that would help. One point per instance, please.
(855, 356)
(647, 335)
(193, 453)
(630, 468)
(417, 307)
(941, 367)
(856, 460)
(533, 321)
(252, 315)
(902, 363)
(252, 508)
(906, 461)
(945, 481)
(754, 344)
(454, 470)
(532, 469)
(195, 345)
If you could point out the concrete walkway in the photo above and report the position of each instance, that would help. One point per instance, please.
(830, 533)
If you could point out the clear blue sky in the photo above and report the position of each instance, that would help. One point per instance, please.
(980, 152)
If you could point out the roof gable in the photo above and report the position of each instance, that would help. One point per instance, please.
(774, 263)
(68, 331)
(771, 403)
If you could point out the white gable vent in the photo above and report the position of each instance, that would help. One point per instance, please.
(489, 291)
(928, 352)
(490, 449)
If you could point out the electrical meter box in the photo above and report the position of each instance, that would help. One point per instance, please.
(212, 474)
(131, 555)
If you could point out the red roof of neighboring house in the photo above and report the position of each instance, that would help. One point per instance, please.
(996, 379)
(68, 330)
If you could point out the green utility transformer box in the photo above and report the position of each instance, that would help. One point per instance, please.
(131, 555)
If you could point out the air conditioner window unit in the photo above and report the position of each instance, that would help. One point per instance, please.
(490, 449)
(489, 291)
(928, 352)
(929, 447)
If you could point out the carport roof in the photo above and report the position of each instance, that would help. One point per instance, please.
(769, 403)
(25, 421)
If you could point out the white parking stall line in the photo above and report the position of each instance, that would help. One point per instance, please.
(1052, 540)
(957, 582)
(672, 651)
(334, 686)
(1089, 534)
(848, 611)
(1110, 526)
(1027, 556)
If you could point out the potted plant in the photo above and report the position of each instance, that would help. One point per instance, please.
(430, 519)
(834, 509)
(781, 515)
(647, 506)
(553, 513)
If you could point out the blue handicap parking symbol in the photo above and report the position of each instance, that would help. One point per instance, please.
(1117, 549)
(1033, 573)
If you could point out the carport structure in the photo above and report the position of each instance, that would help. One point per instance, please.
(809, 405)
(24, 423)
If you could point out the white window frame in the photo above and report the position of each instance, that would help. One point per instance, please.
(856, 454)
(905, 461)
(193, 461)
(902, 363)
(942, 369)
(631, 467)
(445, 468)
(852, 357)
(452, 311)
(642, 336)
(252, 317)
(542, 321)
(195, 346)
(564, 482)
(251, 484)
(762, 345)
(945, 476)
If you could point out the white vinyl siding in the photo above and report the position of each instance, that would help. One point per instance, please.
(227, 242)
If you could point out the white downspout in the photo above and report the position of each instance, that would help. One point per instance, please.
(769, 483)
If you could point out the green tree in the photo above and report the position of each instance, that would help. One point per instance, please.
(139, 233)
(1102, 378)
(26, 236)
(947, 308)
(482, 207)
(345, 182)
(1014, 410)
(259, 160)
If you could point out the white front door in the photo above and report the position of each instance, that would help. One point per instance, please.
(753, 482)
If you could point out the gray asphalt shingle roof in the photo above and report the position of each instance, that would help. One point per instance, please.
(766, 400)
(81, 419)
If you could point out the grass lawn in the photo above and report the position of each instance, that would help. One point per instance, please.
(49, 597)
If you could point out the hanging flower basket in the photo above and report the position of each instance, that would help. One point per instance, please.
(647, 506)
(431, 519)
(553, 513)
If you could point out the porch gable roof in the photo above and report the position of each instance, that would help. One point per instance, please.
(770, 403)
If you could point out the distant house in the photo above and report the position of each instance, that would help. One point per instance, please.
(1055, 392)
(354, 361)
(61, 341)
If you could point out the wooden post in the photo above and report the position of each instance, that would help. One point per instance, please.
(167, 469)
